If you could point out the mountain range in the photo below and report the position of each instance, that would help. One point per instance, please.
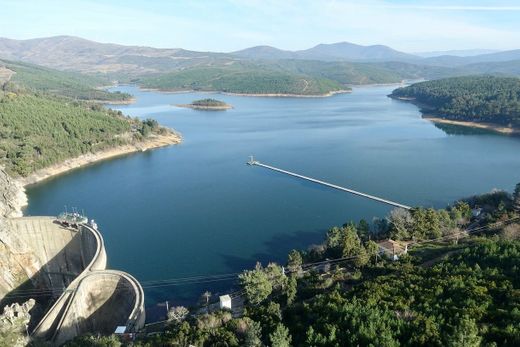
(318, 70)
(74, 53)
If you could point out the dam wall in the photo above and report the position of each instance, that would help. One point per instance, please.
(102, 301)
(59, 250)
(86, 297)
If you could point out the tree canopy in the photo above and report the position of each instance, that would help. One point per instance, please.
(488, 99)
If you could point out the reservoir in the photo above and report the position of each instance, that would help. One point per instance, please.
(196, 209)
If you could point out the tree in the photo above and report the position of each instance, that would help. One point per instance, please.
(461, 212)
(465, 334)
(372, 249)
(94, 341)
(401, 223)
(256, 284)
(426, 224)
(276, 276)
(516, 198)
(280, 337)
(253, 334)
(291, 289)
(380, 227)
(362, 257)
(363, 230)
(295, 261)
(511, 232)
(350, 242)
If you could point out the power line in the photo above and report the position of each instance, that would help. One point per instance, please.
(200, 279)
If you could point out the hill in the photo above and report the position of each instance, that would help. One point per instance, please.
(243, 80)
(452, 60)
(341, 51)
(77, 54)
(479, 99)
(264, 52)
(47, 116)
(319, 70)
(456, 52)
(352, 52)
(67, 84)
(39, 131)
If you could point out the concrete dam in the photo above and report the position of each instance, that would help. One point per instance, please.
(71, 273)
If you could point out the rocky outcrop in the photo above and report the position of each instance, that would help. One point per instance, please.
(14, 322)
(12, 196)
(17, 261)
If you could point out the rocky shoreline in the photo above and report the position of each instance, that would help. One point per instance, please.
(492, 127)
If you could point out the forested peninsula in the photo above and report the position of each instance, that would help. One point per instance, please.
(52, 122)
(482, 101)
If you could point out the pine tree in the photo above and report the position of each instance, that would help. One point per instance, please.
(280, 337)
(516, 198)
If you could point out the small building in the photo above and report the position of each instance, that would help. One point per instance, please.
(225, 302)
(120, 329)
(476, 212)
(392, 249)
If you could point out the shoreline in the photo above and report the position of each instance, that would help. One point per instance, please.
(269, 95)
(155, 141)
(282, 95)
(130, 101)
(486, 126)
(423, 108)
(206, 108)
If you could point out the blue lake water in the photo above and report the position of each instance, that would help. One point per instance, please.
(197, 209)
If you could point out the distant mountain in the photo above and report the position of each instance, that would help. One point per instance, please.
(74, 53)
(352, 52)
(341, 51)
(456, 53)
(450, 60)
(264, 52)
(261, 69)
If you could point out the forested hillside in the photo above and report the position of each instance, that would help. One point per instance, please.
(68, 84)
(238, 79)
(458, 285)
(39, 131)
(488, 99)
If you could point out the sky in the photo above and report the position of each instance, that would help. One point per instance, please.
(229, 25)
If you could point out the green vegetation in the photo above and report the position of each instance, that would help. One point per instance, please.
(45, 119)
(209, 103)
(454, 291)
(67, 84)
(39, 131)
(488, 99)
(240, 79)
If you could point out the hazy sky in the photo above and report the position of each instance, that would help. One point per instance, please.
(227, 25)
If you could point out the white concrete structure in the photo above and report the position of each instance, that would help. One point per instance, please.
(225, 302)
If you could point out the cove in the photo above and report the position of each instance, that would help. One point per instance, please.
(196, 209)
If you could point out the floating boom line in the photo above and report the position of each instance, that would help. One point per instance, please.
(253, 162)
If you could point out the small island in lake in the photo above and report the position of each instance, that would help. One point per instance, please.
(208, 104)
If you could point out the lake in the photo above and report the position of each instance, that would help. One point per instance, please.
(196, 209)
